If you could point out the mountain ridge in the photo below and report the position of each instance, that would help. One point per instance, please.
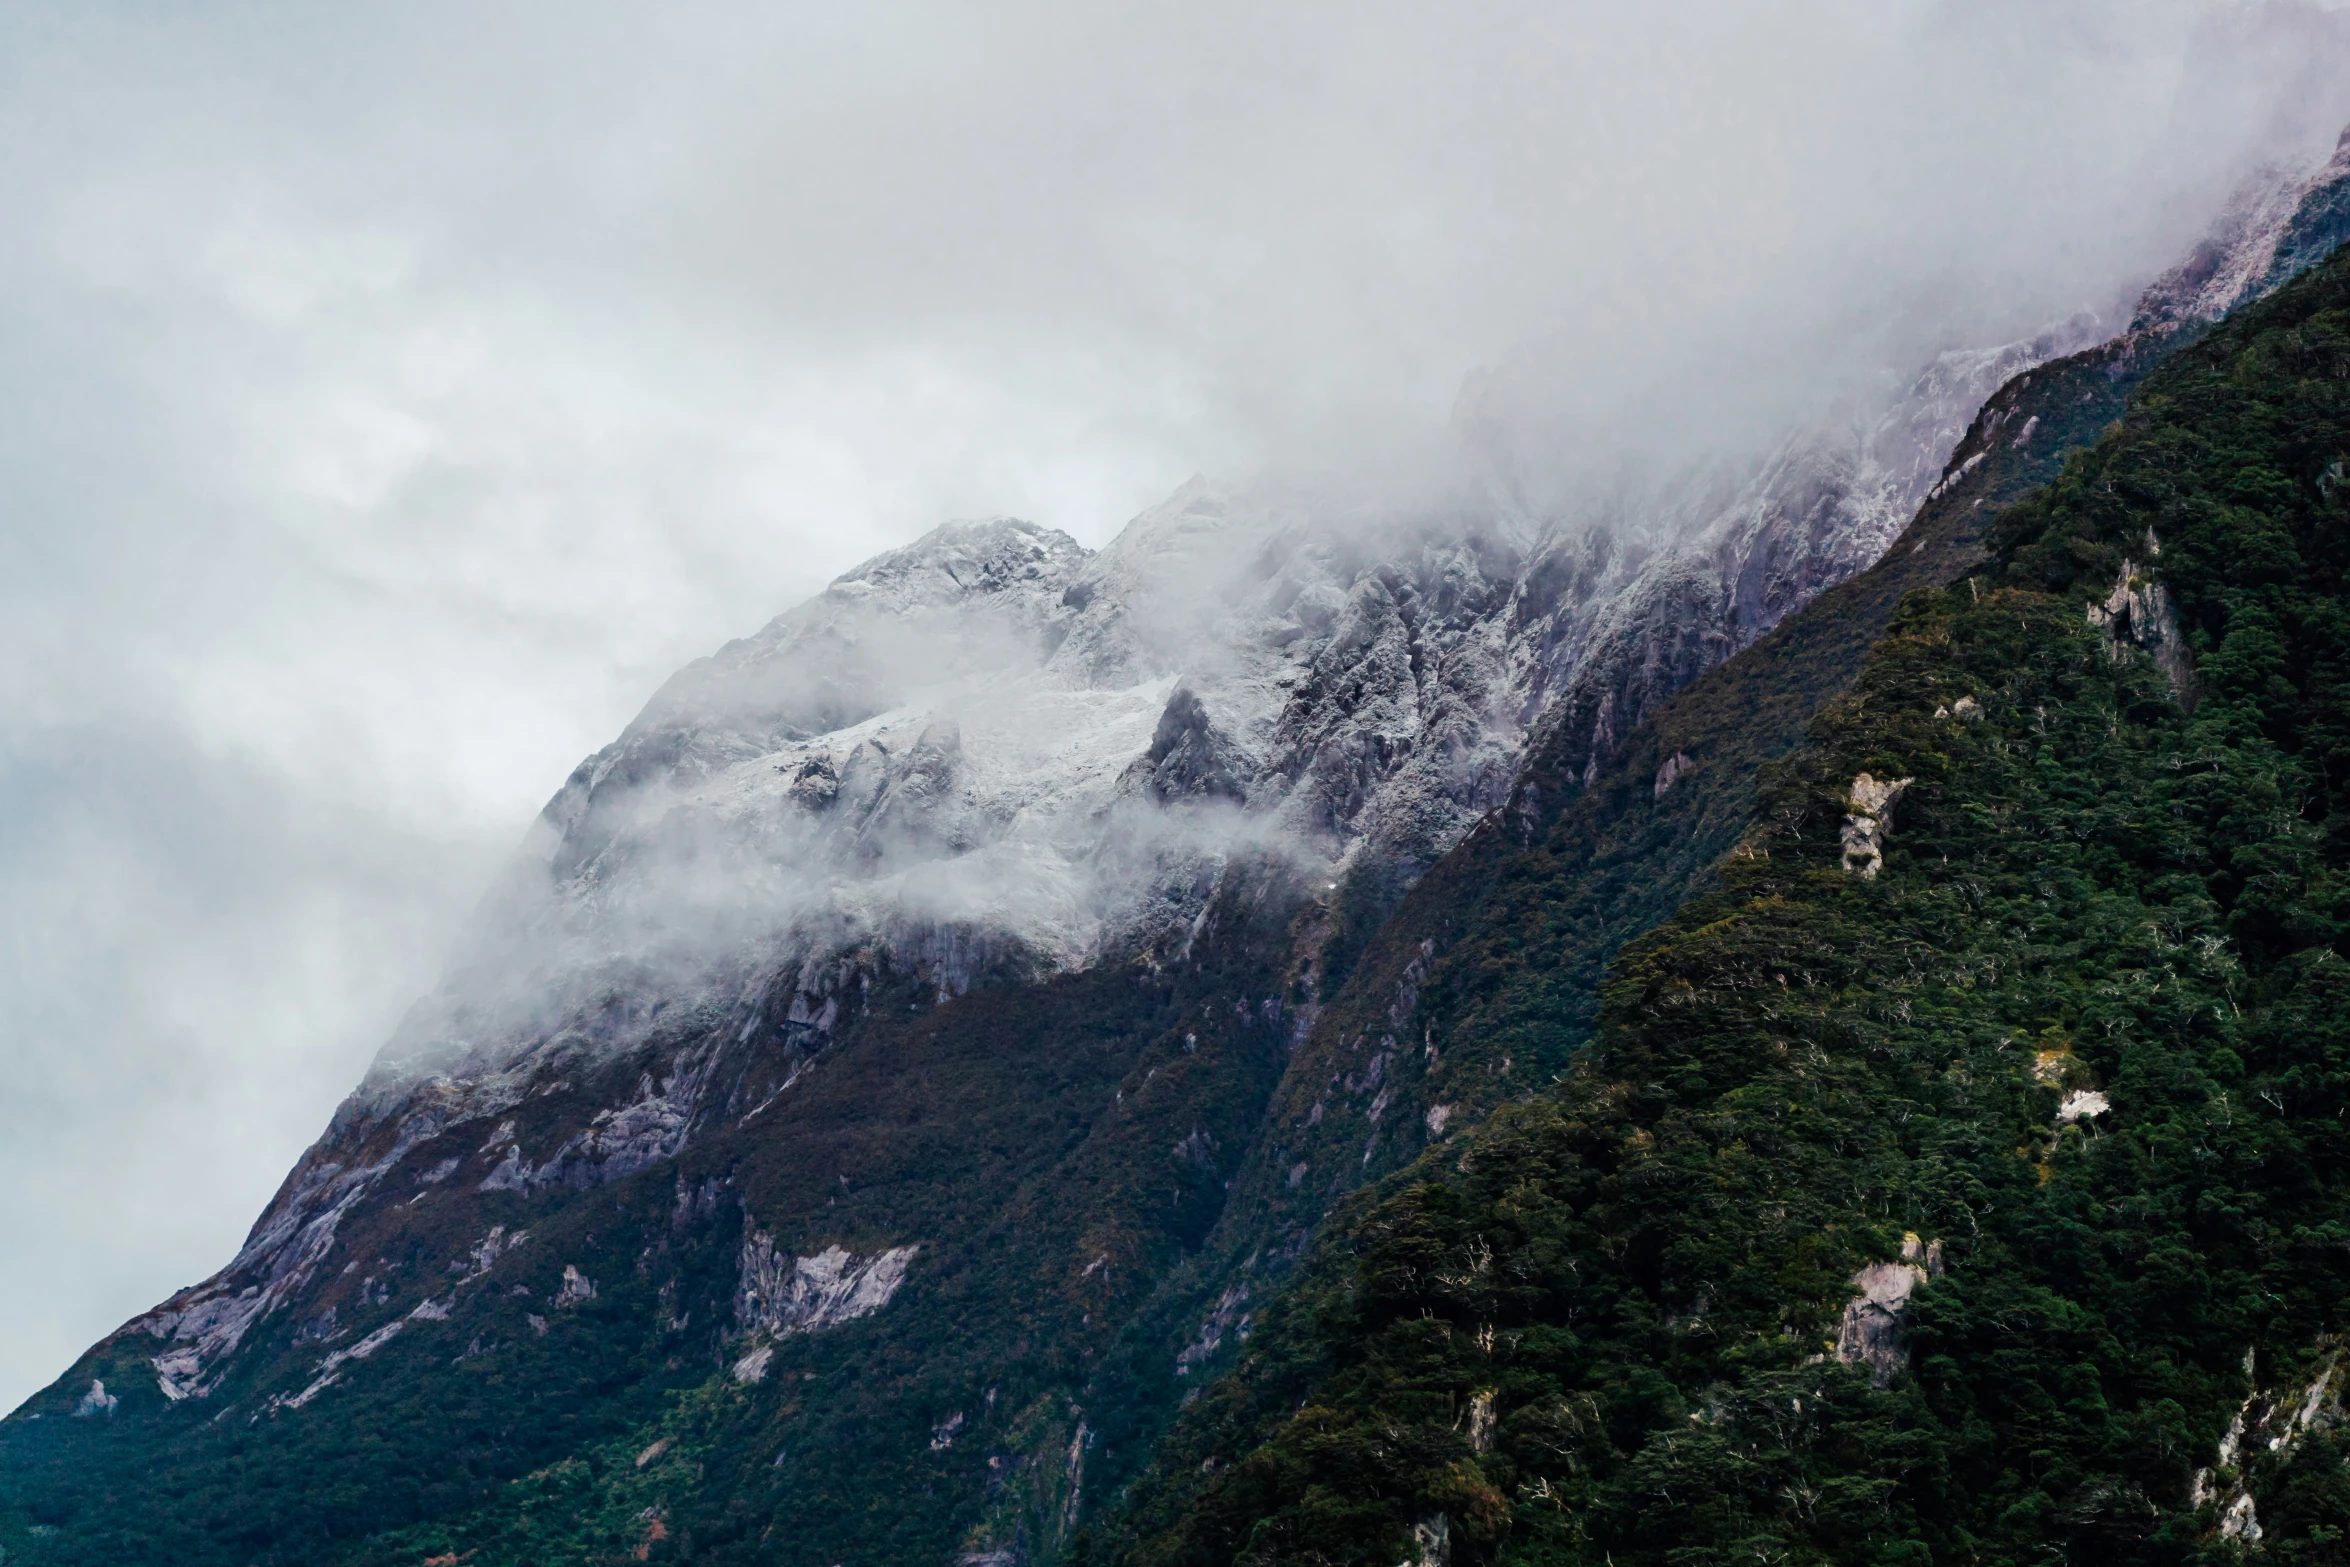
(712, 1119)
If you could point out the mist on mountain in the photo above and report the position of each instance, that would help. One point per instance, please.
(398, 397)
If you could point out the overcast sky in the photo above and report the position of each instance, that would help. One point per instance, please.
(391, 395)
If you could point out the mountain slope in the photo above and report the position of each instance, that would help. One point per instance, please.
(1486, 980)
(1963, 1178)
(640, 1089)
(915, 1050)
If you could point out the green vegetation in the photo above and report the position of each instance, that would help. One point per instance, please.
(1605, 1327)
(1598, 1325)
(1015, 1135)
(1497, 956)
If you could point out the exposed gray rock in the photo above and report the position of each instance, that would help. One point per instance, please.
(1674, 766)
(330, 1370)
(1481, 1421)
(1228, 1316)
(2136, 612)
(1870, 1332)
(1431, 1543)
(2269, 1424)
(782, 1294)
(1865, 830)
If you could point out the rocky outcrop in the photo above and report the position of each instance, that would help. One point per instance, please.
(2266, 1431)
(330, 1370)
(782, 1294)
(2137, 613)
(1869, 1333)
(1871, 820)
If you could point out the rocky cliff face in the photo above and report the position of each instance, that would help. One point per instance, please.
(925, 964)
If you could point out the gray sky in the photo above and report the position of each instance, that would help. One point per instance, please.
(391, 395)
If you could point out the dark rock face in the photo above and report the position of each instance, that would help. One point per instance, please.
(1187, 759)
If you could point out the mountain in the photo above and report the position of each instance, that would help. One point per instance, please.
(1961, 1177)
(905, 1066)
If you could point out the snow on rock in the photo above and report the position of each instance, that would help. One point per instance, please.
(995, 747)
(97, 1401)
(2283, 220)
(783, 1294)
(993, 750)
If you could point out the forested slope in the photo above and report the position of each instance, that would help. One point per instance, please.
(1957, 1211)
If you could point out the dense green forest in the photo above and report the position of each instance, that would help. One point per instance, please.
(2051, 1053)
